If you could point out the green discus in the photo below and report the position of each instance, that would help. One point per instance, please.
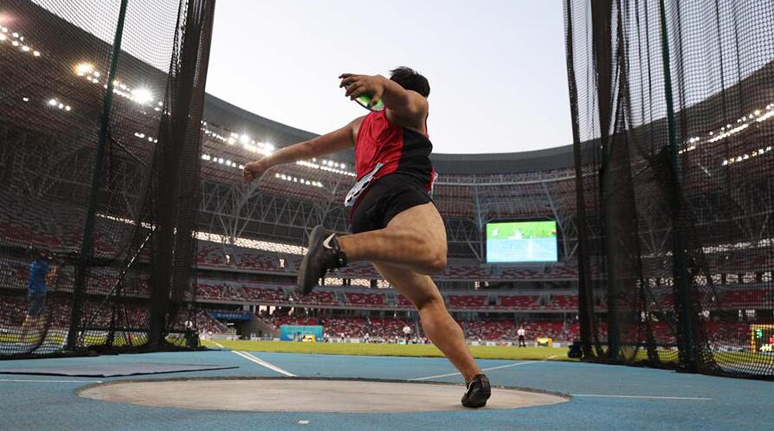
(365, 102)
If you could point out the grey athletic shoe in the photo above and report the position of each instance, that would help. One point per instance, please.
(324, 253)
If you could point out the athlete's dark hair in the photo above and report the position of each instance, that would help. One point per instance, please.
(410, 79)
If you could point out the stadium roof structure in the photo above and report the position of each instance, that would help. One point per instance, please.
(471, 191)
(230, 116)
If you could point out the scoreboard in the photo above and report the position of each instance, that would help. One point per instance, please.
(762, 338)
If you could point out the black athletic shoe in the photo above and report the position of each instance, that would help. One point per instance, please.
(478, 392)
(323, 254)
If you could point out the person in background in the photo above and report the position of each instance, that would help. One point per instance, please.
(407, 333)
(521, 333)
(40, 273)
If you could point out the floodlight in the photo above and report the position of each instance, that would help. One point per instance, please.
(84, 68)
(141, 95)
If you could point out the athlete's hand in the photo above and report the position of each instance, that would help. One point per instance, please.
(358, 85)
(254, 170)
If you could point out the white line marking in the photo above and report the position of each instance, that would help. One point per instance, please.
(649, 397)
(483, 369)
(303, 422)
(257, 360)
(50, 381)
(263, 363)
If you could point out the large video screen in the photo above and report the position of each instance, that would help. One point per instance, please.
(523, 241)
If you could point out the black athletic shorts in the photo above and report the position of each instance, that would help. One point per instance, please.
(36, 304)
(385, 198)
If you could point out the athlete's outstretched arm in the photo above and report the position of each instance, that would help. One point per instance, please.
(319, 146)
(405, 103)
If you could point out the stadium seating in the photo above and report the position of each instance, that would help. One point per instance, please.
(467, 301)
(264, 295)
(527, 302)
(366, 300)
(564, 302)
(404, 302)
(319, 297)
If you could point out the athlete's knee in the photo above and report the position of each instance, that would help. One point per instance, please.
(435, 259)
(429, 302)
(436, 262)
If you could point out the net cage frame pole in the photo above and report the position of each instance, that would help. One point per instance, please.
(678, 244)
(87, 244)
(585, 301)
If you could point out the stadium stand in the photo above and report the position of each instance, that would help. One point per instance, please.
(288, 202)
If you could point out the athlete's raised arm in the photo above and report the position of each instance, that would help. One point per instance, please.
(319, 146)
(407, 104)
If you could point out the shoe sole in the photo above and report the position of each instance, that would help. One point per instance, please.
(477, 402)
(314, 239)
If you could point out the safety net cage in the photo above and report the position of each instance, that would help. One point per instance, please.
(673, 123)
(100, 137)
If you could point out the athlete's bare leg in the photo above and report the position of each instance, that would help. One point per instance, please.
(415, 238)
(439, 326)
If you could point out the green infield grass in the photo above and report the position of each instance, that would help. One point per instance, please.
(413, 350)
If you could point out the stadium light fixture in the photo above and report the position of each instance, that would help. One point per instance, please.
(26, 99)
(53, 102)
(244, 139)
(141, 95)
(84, 68)
(3, 37)
(25, 48)
(36, 53)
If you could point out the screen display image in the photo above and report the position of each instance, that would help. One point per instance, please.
(762, 339)
(297, 332)
(527, 241)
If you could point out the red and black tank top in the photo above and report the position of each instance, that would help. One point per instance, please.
(399, 149)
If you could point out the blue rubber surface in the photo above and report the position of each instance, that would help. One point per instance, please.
(697, 402)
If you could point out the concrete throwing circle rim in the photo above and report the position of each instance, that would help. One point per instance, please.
(307, 395)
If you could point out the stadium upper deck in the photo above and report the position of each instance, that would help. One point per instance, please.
(471, 190)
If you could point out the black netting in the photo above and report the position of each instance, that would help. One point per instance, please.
(99, 162)
(673, 123)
